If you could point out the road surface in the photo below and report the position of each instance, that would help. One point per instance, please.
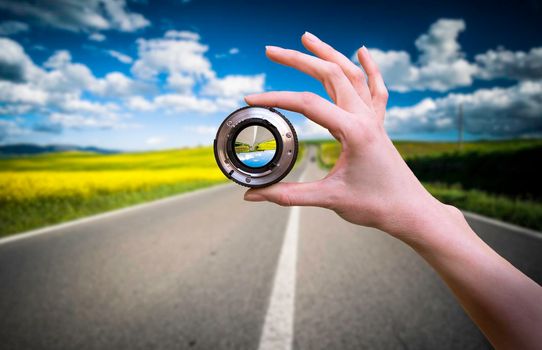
(209, 271)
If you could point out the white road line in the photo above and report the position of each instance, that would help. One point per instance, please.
(48, 229)
(278, 328)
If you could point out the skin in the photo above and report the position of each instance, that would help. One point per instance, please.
(371, 185)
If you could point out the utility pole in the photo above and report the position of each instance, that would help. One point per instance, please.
(460, 127)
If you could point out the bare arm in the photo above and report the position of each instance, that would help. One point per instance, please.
(371, 185)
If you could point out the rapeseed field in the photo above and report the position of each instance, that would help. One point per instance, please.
(50, 188)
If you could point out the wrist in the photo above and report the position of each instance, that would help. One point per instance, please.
(430, 226)
(441, 230)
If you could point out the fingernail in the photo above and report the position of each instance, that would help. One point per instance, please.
(248, 98)
(311, 37)
(270, 48)
(254, 197)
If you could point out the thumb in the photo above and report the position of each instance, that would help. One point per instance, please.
(290, 193)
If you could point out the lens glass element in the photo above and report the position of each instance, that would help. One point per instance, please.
(255, 146)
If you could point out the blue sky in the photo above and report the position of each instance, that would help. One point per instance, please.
(136, 75)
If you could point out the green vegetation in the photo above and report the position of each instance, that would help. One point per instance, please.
(241, 147)
(495, 178)
(51, 188)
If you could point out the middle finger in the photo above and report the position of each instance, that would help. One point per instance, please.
(329, 74)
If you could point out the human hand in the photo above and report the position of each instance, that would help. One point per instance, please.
(370, 184)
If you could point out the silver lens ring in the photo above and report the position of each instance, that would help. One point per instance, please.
(256, 146)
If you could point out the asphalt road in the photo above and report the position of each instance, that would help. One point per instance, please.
(197, 271)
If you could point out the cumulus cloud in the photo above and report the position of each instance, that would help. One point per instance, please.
(15, 65)
(512, 111)
(181, 58)
(55, 90)
(518, 65)
(60, 88)
(13, 27)
(139, 103)
(310, 130)
(176, 53)
(179, 103)
(76, 15)
(441, 65)
(234, 85)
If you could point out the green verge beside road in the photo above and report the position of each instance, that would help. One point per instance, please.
(499, 179)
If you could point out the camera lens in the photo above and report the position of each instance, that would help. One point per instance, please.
(256, 146)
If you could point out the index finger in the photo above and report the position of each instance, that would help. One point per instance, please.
(314, 107)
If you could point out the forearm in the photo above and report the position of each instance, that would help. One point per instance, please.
(501, 300)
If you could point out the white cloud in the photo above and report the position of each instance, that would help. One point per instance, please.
(67, 94)
(233, 51)
(13, 27)
(139, 103)
(97, 37)
(440, 44)
(512, 111)
(182, 34)
(178, 103)
(22, 94)
(502, 63)
(310, 130)
(179, 54)
(441, 65)
(180, 82)
(234, 86)
(58, 60)
(15, 65)
(55, 90)
(78, 121)
(120, 56)
(76, 15)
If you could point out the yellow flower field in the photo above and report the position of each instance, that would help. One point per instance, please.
(32, 185)
(45, 189)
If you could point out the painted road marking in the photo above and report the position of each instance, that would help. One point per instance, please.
(278, 328)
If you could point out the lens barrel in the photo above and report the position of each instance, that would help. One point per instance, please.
(256, 146)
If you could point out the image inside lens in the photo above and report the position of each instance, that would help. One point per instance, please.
(255, 146)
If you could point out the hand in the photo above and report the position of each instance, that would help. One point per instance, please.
(370, 184)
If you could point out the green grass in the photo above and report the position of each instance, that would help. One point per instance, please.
(499, 179)
(22, 216)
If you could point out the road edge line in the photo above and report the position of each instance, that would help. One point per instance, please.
(518, 229)
(278, 327)
(43, 230)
